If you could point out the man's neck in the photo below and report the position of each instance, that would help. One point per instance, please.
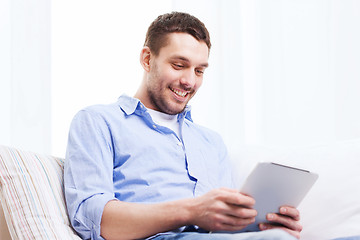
(166, 120)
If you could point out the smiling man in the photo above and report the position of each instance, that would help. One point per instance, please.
(141, 168)
(173, 76)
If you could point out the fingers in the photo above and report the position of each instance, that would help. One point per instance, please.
(236, 211)
(230, 223)
(287, 220)
(290, 212)
(232, 196)
(288, 217)
(233, 203)
(236, 204)
(240, 211)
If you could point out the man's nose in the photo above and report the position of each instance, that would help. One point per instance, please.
(188, 79)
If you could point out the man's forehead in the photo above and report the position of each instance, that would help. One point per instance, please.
(185, 47)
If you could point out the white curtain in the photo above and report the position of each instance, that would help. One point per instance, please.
(25, 74)
(283, 73)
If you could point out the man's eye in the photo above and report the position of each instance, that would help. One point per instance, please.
(199, 72)
(177, 66)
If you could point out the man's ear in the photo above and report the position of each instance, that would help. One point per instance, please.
(145, 56)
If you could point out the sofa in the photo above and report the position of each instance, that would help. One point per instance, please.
(31, 190)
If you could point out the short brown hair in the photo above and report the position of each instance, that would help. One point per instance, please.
(156, 35)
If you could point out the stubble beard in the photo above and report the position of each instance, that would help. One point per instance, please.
(159, 99)
(159, 96)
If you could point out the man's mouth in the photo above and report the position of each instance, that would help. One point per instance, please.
(179, 92)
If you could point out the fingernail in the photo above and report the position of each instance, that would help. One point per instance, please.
(270, 216)
(262, 226)
(283, 210)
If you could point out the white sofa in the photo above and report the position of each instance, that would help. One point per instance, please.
(31, 190)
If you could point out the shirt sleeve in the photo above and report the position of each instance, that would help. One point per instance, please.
(88, 172)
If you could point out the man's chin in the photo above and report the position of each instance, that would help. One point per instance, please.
(175, 110)
(171, 106)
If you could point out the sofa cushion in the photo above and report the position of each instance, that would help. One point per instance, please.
(31, 193)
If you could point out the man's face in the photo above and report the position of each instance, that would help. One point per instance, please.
(176, 73)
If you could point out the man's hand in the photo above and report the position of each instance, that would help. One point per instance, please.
(287, 220)
(223, 210)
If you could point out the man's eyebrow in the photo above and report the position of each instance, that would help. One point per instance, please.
(205, 65)
(184, 59)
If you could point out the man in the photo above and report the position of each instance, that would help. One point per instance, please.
(140, 167)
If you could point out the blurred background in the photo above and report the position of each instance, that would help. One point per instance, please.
(282, 73)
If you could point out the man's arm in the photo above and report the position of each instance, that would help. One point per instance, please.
(219, 210)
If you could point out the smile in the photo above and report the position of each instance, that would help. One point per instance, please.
(178, 92)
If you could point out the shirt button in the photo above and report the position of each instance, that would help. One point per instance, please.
(154, 126)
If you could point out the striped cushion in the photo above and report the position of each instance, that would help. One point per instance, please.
(31, 193)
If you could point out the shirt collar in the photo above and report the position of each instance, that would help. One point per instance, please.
(186, 113)
(129, 105)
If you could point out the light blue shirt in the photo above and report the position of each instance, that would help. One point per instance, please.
(116, 151)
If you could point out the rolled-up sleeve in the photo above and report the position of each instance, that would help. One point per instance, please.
(88, 172)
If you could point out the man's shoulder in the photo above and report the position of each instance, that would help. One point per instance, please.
(100, 109)
(110, 108)
(99, 113)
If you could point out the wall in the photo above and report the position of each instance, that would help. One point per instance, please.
(25, 74)
(95, 55)
(281, 72)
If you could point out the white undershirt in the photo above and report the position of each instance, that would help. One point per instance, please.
(166, 120)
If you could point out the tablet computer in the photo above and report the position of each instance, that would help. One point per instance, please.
(273, 185)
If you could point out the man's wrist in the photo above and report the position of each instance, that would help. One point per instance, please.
(186, 211)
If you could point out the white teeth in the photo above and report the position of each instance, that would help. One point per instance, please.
(182, 94)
